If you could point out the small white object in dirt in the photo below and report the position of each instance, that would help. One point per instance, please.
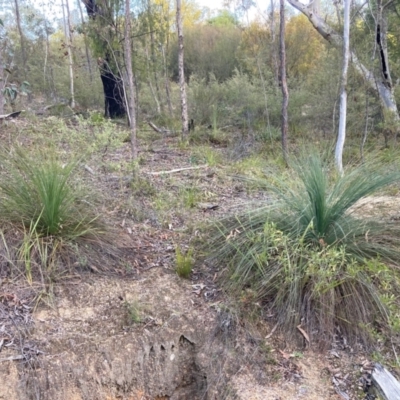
(172, 357)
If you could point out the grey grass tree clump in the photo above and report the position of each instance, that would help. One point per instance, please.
(309, 259)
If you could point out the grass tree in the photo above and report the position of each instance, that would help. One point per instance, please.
(46, 223)
(309, 259)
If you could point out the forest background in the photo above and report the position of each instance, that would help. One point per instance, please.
(231, 64)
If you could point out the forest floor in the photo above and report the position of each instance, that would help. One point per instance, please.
(134, 329)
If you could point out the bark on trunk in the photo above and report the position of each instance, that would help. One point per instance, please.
(385, 93)
(112, 82)
(130, 96)
(285, 92)
(182, 86)
(343, 89)
(68, 38)
(381, 41)
(114, 103)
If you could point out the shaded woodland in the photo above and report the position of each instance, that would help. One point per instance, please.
(231, 67)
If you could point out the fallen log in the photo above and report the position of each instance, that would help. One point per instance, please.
(385, 383)
(11, 115)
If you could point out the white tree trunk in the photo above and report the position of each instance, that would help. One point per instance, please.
(343, 88)
(285, 92)
(129, 84)
(68, 38)
(182, 86)
(386, 94)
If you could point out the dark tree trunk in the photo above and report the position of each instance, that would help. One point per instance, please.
(113, 91)
(112, 82)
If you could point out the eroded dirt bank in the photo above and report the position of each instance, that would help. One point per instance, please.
(153, 337)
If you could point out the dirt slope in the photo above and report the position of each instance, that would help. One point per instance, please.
(182, 348)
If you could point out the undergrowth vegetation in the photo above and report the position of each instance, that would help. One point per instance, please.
(47, 223)
(311, 258)
(184, 262)
(308, 255)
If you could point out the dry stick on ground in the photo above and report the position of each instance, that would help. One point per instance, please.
(159, 130)
(177, 170)
(12, 115)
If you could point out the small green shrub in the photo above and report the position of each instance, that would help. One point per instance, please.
(97, 118)
(142, 186)
(132, 309)
(184, 262)
(270, 134)
(190, 196)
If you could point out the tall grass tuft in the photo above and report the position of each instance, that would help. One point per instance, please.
(310, 258)
(46, 224)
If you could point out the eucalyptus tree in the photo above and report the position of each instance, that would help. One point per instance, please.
(106, 34)
(282, 70)
(343, 88)
(129, 81)
(378, 81)
(182, 86)
(68, 38)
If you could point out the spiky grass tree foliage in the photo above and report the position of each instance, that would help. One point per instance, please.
(46, 224)
(309, 258)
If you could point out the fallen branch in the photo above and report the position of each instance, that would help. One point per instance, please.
(88, 169)
(159, 130)
(172, 171)
(12, 115)
(385, 383)
(12, 358)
